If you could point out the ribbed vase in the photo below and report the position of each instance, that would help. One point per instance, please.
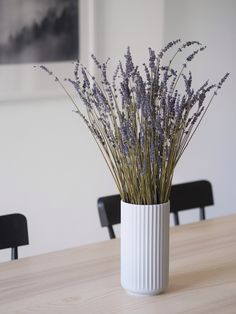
(144, 248)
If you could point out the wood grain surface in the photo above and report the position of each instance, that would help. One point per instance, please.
(86, 279)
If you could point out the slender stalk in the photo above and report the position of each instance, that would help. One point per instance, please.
(141, 124)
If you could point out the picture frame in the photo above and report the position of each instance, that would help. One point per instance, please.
(24, 81)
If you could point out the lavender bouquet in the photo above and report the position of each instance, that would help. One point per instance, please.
(140, 121)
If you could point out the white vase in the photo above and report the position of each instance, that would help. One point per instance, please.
(144, 248)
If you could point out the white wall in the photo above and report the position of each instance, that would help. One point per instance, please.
(212, 153)
(50, 168)
(134, 23)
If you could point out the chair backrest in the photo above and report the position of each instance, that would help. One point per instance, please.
(13, 233)
(197, 194)
(109, 212)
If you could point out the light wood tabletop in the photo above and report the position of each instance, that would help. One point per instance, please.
(86, 280)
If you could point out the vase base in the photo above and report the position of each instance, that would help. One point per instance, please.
(144, 293)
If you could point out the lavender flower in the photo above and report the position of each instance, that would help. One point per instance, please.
(140, 120)
(129, 66)
(152, 59)
(222, 80)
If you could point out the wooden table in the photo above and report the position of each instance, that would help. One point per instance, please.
(86, 280)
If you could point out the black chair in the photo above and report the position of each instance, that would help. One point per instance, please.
(13, 233)
(190, 195)
(109, 212)
(183, 196)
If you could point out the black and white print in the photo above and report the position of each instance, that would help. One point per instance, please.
(38, 31)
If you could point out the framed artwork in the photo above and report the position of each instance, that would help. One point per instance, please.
(48, 32)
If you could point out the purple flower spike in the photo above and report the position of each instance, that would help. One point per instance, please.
(141, 119)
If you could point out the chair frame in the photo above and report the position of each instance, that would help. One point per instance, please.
(108, 218)
(190, 195)
(13, 233)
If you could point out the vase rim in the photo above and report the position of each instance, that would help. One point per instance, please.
(166, 203)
